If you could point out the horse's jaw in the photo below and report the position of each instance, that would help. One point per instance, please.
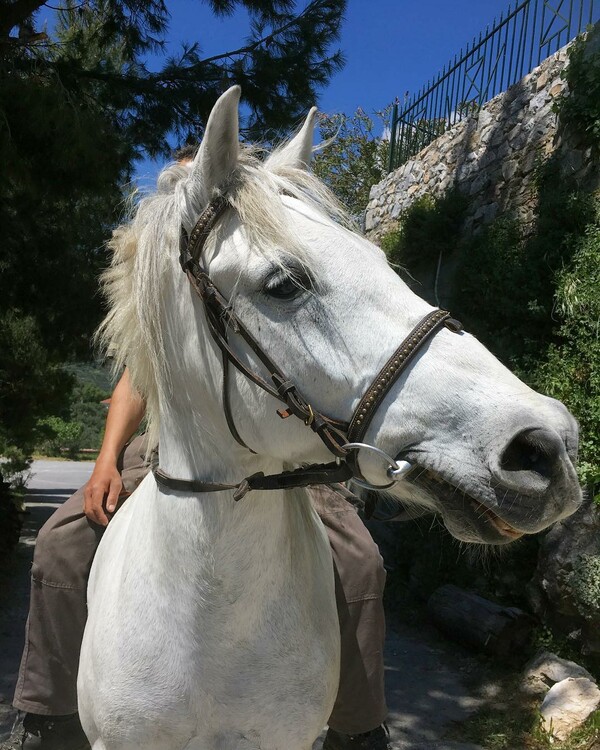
(475, 509)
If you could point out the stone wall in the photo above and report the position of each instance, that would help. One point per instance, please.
(490, 157)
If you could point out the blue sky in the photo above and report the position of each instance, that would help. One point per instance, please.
(391, 46)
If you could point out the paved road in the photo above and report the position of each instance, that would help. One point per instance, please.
(425, 677)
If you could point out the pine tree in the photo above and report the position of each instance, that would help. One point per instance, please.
(78, 106)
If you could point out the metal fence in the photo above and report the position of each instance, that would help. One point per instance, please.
(501, 56)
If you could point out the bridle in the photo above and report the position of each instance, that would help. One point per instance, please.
(343, 439)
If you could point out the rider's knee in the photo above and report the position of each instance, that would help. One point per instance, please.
(64, 551)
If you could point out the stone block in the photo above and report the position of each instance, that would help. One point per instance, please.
(573, 161)
(485, 118)
(510, 169)
(504, 150)
(546, 669)
(434, 158)
(479, 183)
(528, 162)
(568, 704)
(542, 80)
(486, 213)
(515, 132)
(538, 101)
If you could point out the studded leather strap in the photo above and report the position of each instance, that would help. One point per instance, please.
(393, 368)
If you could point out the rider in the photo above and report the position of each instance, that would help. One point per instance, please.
(66, 544)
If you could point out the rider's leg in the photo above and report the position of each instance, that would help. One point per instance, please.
(65, 548)
(63, 555)
(360, 578)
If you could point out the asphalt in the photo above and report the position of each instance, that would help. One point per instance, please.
(429, 682)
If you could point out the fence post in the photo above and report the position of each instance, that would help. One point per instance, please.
(391, 157)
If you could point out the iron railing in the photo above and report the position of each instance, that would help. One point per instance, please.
(500, 57)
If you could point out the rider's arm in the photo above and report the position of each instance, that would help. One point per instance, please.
(126, 411)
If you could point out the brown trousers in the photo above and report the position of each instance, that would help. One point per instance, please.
(63, 557)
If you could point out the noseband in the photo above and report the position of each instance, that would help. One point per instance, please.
(343, 439)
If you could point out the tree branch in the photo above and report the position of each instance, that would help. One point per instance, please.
(16, 13)
(251, 47)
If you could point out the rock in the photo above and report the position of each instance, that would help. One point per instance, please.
(538, 101)
(542, 80)
(568, 704)
(529, 162)
(562, 590)
(515, 133)
(484, 119)
(510, 169)
(546, 669)
(486, 213)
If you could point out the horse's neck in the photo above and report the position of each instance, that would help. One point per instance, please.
(192, 447)
(193, 451)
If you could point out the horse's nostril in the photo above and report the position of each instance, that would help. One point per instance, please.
(533, 450)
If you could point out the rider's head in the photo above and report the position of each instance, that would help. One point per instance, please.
(185, 154)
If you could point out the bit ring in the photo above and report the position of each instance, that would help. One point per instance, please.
(395, 471)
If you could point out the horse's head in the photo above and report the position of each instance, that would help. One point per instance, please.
(494, 458)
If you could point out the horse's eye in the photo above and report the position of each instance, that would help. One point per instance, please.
(285, 286)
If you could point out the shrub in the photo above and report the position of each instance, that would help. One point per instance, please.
(429, 227)
(584, 582)
(61, 435)
(579, 107)
(571, 369)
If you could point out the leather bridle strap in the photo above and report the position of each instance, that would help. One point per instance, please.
(334, 433)
(303, 477)
(394, 367)
(221, 318)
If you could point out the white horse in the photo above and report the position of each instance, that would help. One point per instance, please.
(212, 624)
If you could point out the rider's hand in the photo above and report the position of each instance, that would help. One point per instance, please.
(102, 491)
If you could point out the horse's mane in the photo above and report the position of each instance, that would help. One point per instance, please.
(131, 333)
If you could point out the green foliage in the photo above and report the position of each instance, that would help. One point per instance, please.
(61, 435)
(571, 369)
(80, 423)
(429, 228)
(506, 282)
(87, 410)
(78, 106)
(579, 107)
(584, 582)
(514, 723)
(101, 62)
(15, 466)
(31, 386)
(353, 159)
(10, 518)
(532, 299)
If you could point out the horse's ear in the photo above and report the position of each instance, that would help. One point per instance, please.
(217, 156)
(297, 152)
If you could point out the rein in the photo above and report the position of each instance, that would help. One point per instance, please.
(343, 439)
